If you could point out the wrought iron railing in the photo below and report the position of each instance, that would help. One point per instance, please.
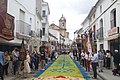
(23, 27)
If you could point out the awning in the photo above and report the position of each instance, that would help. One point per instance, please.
(16, 42)
(112, 37)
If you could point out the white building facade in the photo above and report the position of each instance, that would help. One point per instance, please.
(104, 17)
(104, 20)
(27, 14)
(45, 24)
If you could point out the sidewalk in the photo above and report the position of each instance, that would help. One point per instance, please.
(19, 77)
(107, 75)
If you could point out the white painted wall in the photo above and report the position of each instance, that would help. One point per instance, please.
(107, 6)
(85, 25)
(29, 7)
(45, 7)
(55, 33)
(14, 7)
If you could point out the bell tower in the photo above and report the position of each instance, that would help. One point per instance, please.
(62, 22)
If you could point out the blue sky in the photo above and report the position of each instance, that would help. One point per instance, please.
(75, 11)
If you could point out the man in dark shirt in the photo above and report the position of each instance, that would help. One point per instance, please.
(42, 51)
(116, 58)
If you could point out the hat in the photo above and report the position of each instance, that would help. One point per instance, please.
(116, 50)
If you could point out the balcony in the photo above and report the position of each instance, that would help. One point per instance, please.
(44, 19)
(38, 13)
(22, 29)
(100, 33)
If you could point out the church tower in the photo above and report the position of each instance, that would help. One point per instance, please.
(62, 25)
(62, 22)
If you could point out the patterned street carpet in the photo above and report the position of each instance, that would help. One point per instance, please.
(63, 68)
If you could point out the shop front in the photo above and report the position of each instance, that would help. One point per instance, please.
(114, 39)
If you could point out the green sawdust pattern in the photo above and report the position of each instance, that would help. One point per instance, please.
(63, 66)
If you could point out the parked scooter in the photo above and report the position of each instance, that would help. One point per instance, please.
(117, 70)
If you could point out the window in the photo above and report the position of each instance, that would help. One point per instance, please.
(21, 24)
(101, 9)
(43, 24)
(90, 19)
(113, 18)
(62, 24)
(30, 20)
(22, 15)
(101, 28)
(101, 46)
(94, 16)
(40, 33)
(44, 13)
(43, 32)
(101, 23)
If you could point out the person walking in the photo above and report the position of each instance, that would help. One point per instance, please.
(27, 65)
(7, 60)
(36, 60)
(2, 62)
(108, 59)
(75, 53)
(116, 58)
(88, 60)
(101, 57)
(15, 56)
(83, 58)
(42, 53)
(94, 61)
(52, 56)
(32, 62)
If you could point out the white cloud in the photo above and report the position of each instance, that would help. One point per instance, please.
(75, 11)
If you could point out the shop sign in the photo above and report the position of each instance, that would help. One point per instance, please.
(113, 31)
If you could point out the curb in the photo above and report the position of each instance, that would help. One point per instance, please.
(102, 77)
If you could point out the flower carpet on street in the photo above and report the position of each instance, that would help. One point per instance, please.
(63, 68)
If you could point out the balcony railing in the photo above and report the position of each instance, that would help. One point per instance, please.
(100, 33)
(22, 27)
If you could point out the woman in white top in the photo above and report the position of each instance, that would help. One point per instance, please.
(26, 65)
(83, 59)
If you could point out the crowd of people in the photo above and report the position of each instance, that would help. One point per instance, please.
(10, 62)
(97, 60)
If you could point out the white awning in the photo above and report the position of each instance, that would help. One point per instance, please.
(16, 42)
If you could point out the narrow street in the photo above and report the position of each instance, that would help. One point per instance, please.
(59, 39)
(63, 68)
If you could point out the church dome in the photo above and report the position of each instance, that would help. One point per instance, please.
(62, 18)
